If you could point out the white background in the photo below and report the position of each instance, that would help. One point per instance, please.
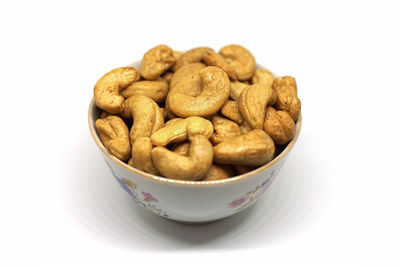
(336, 201)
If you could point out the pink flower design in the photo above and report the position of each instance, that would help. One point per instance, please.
(148, 197)
(238, 201)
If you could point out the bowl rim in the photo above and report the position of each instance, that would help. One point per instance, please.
(185, 182)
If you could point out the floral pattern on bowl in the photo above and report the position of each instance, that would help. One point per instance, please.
(247, 199)
(144, 199)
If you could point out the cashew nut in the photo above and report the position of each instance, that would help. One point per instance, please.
(218, 172)
(147, 116)
(194, 167)
(224, 129)
(240, 59)
(182, 129)
(156, 61)
(191, 56)
(253, 103)
(177, 54)
(216, 60)
(167, 76)
(279, 125)
(236, 89)
(286, 96)
(245, 128)
(252, 149)
(182, 148)
(265, 77)
(242, 169)
(114, 134)
(156, 90)
(231, 111)
(130, 162)
(187, 70)
(216, 87)
(141, 155)
(106, 90)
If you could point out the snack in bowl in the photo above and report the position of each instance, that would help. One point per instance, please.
(196, 128)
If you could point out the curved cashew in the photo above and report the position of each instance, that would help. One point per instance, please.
(156, 61)
(216, 87)
(236, 89)
(141, 155)
(265, 77)
(279, 125)
(106, 90)
(114, 134)
(240, 59)
(218, 172)
(216, 60)
(192, 168)
(286, 96)
(224, 129)
(147, 116)
(156, 90)
(191, 56)
(231, 111)
(182, 129)
(252, 149)
(187, 70)
(253, 103)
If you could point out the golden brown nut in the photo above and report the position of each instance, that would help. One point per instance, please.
(182, 148)
(147, 116)
(156, 90)
(286, 96)
(279, 125)
(252, 149)
(130, 162)
(253, 103)
(242, 169)
(219, 172)
(245, 128)
(266, 78)
(216, 60)
(141, 155)
(194, 167)
(240, 59)
(106, 90)
(236, 89)
(178, 130)
(216, 87)
(167, 76)
(104, 114)
(177, 54)
(187, 70)
(224, 129)
(191, 56)
(156, 61)
(114, 134)
(231, 111)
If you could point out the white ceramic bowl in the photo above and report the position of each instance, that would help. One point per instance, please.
(191, 201)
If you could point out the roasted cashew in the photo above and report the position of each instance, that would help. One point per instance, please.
(156, 90)
(286, 96)
(236, 89)
(182, 148)
(167, 76)
(252, 149)
(240, 59)
(216, 60)
(224, 129)
(187, 70)
(191, 56)
(141, 155)
(218, 172)
(156, 61)
(182, 129)
(114, 134)
(177, 54)
(266, 78)
(194, 167)
(279, 125)
(253, 103)
(216, 87)
(245, 128)
(231, 111)
(106, 90)
(147, 116)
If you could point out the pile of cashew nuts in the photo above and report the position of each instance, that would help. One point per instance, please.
(198, 115)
